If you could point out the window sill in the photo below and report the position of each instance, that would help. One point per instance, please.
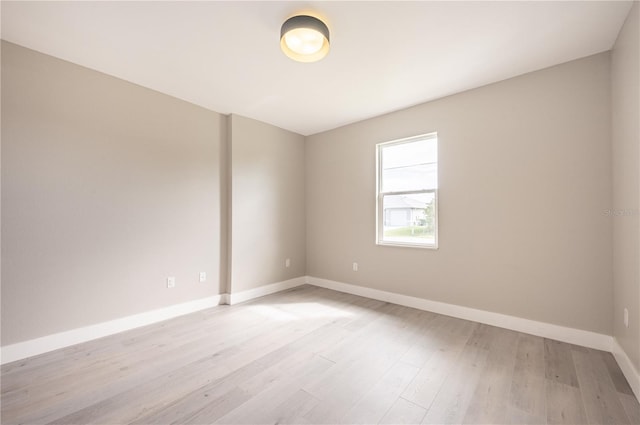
(407, 245)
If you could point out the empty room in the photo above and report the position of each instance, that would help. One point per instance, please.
(256, 212)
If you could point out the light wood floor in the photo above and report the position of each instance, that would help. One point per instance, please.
(312, 355)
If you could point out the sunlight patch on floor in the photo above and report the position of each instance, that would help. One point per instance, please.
(298, 311)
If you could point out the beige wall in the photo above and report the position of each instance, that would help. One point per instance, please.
(267, 204)
(625, 70)
(525, 178)
(107, 189)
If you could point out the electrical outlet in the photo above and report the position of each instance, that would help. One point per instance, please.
(203, 276)
(626, 318)
(171, 282)
(287, 262)
(355, 267)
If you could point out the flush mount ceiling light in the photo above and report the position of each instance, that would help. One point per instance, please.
(304, 38)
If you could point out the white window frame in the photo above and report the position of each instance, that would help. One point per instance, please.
(380, 196)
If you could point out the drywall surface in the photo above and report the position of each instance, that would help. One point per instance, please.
(108, 188)
(267, 204)
(524, 181)
(625, 214)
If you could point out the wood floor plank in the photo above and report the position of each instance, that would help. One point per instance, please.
(558, 361)
(382, 325)
(107, 379)
(371, 408)
(224, 316)
(456, 393)
(631, 407)
(72, 395)
(528, 388)
(620, 382)
(515, 416)
(334, 405)
(216, 396)
(272, 402)
(601, 402)
(362, 363)
(311, 355)
(67, 356)
(426, 341)
(447, 343)
(482, 336)
(564, 404)
(403, 412)
(491, 397)
(293, 409)
(154, 393)
(109, 349)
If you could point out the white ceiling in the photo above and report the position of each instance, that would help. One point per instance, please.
(384, 56)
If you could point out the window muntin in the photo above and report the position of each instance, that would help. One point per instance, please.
(407, 192)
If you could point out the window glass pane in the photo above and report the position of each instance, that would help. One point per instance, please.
(409, 218)
(410, 166)
(410, 153)
(414, 177)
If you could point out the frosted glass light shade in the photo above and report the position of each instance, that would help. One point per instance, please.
(304, 38)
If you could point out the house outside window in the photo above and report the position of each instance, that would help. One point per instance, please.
(407, 187)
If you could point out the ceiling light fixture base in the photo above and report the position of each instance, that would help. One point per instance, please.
(304, 38)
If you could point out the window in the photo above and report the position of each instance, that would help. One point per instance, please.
(407, 211)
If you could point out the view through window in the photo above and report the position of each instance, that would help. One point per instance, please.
(407, 192)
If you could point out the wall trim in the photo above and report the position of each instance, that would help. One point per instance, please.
(261, 291)
(628, 369)
(52, 342)
(33, 347)
(56, 341)
(542, 329)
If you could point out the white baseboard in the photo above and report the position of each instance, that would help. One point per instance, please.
(48, 343)
(546, 330)
(628, 369)
(56, 341)
(261, 291)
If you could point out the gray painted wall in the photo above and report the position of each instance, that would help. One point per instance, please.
(107, 189)
(525, 178)
(625, 69)
(267, 204)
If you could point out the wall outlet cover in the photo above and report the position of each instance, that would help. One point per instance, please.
(626, 318)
